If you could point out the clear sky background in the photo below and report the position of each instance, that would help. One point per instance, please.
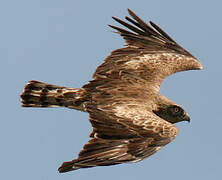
(62, 42)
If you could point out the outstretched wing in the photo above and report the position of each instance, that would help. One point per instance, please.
(116, 140)
(150, 55)
(101, 152)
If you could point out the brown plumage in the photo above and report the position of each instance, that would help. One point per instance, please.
(130, 119)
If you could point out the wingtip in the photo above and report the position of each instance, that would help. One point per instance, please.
(68, 166)
(131, 13)
(198, 65)
(113, 17)
(63, 169)
(129, 10)
(201, 67)
(152, 23)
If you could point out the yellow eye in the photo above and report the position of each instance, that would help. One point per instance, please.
(176, 109)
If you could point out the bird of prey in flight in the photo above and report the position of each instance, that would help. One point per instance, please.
(131, 120)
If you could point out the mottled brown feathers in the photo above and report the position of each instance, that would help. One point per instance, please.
(130, 119)
(103, 152)
(150, 56)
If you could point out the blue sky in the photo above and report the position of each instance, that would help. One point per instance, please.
(62, 42)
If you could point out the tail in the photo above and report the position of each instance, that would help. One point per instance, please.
(38, 94)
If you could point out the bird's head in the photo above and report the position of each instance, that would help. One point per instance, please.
(171, 112)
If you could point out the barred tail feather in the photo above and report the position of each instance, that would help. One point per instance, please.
(39, 94)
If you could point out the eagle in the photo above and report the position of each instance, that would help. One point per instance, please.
(131, 120)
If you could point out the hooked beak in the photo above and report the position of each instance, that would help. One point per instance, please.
(186, 118)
